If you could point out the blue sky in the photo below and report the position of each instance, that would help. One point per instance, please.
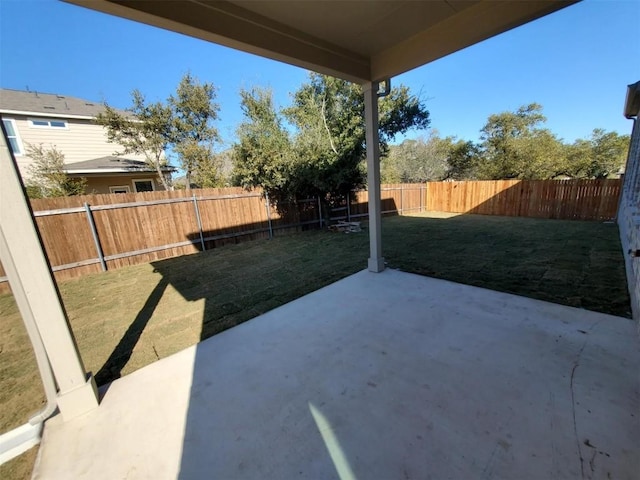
(576, 63)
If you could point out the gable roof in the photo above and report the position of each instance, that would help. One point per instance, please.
(47, 104)
(111, 164)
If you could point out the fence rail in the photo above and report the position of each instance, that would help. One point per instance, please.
(93, 233)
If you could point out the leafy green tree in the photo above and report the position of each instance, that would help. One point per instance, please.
(514, 145)
(147, 130)
(431, 159)
(608, 153)
(47, 177)
(193, 134)
(417, 161)
(324, 154)
(184, 123)
(577, 159)
(213, 170)
(462, 160)
(602, 155)
(262, 156)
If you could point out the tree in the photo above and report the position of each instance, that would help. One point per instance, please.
(462, 160)
(47, 177)
(417, 161)
(193, 134)
(324, 154)
(147, 130)
(602, 155)
(577, 159)
(515, 146)
(608, 153)
(262, 156)
(212, 170)
(184, 123)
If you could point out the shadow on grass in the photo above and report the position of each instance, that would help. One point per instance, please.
(112, 368)
(574, 263)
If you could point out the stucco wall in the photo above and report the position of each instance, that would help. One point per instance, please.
(629, 220)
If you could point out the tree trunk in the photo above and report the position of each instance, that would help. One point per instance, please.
(163, 179)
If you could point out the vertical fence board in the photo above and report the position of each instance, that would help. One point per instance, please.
(559, 199)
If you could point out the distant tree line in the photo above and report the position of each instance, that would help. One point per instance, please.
(513, 145)
(316, 145)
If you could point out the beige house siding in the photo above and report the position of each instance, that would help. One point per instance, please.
(102, 184)
(80, 140)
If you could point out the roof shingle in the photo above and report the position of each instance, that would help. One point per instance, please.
(112, 163)
(48, 103)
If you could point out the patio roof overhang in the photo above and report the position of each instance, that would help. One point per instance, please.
(354, 40)
(364, 42)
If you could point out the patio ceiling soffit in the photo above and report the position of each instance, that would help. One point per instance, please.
(356, 41)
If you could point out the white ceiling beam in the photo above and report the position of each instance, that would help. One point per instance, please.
(226, 24)
(468, 27)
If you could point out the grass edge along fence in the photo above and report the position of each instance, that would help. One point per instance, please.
(92, 233)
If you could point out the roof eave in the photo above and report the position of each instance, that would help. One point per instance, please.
(46, 114)
(469, 27)
(228, 24)
(632, 101)
(88, 171)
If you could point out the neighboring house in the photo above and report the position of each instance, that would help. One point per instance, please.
(116, 175)
(68, 124)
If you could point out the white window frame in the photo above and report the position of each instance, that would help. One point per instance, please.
(14, 126)
(134, 181)
(119, 187)
(48, 120)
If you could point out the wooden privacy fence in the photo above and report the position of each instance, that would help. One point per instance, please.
(397, 198)
(93, 233)
(557, 199)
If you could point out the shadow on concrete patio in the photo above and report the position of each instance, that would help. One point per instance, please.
(389, 375)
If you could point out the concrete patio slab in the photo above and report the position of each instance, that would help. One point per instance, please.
(378, 376)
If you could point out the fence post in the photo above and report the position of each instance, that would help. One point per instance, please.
(195, 206)
(348, 206)
(96, 239)
(266, 202)
(320, 212)
(421, 197)
(401, 197)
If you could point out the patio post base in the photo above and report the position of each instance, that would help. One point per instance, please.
(79, 400)
(376, 265)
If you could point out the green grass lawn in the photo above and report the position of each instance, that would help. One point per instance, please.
(128, 318)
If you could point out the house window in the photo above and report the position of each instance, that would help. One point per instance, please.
(119, 189)
(145, 185)
(12, 136)
(47, 123)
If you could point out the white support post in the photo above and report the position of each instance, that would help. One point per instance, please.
(77, 393)
(376, 262)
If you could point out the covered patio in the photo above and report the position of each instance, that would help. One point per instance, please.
(380, 376)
